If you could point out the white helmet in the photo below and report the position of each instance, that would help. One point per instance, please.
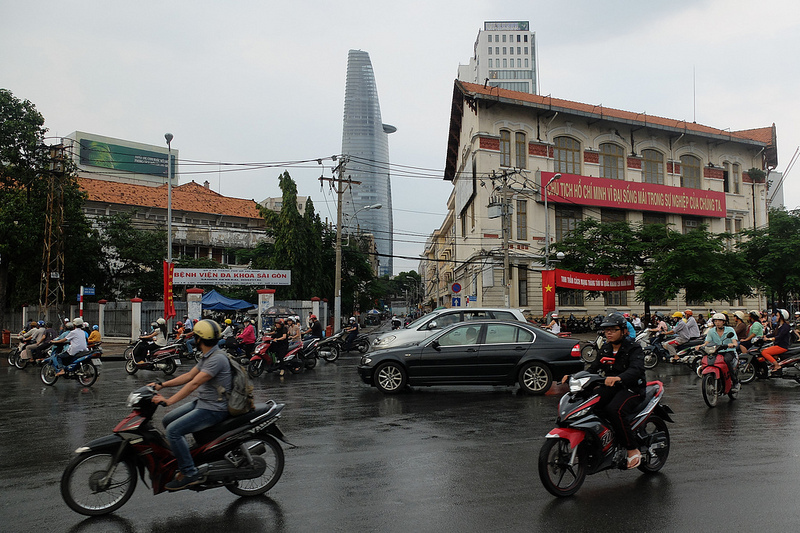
(352, 319)
(161, 322)
(784, 313)
(719, 316)
(77, 322)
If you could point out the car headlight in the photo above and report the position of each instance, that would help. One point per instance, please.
(366, 360)
(576, 385)
(385, 340)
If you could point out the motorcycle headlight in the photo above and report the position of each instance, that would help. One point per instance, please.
(133, 399)
(582, 412)
(576, 385)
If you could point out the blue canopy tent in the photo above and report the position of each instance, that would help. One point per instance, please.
(214, 301)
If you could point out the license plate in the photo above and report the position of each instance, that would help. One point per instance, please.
(177, 360)
(97, 362)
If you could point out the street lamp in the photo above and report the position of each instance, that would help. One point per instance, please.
(337, 304)
(547, 223)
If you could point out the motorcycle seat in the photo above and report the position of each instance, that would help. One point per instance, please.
(231, 423)
(650, 393)
(692, 342)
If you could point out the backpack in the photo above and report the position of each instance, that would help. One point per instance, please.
(240, 398)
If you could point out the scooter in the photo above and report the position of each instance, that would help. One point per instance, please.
(655, 351)
(165, 359)
(15, 355)
(717, 380)
(753, 365)
(84, 368)
(591, 350)
(241, 453)
(583, 443)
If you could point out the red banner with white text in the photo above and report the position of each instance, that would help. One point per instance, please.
(169, 302)
(592, 282)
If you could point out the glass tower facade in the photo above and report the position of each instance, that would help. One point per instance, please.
(365, 140)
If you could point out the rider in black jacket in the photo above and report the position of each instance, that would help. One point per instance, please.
(625, 381)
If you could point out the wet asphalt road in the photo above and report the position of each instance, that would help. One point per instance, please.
(433, 459)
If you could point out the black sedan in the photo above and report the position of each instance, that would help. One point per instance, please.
(477, 352)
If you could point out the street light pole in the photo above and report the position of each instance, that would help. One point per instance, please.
(337, 305)
(547, 223)
(169, 138)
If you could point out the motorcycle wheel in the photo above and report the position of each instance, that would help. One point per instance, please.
(589, 353)
(12, 356)
(130, 366)
(296, 367)
(329, 353)
(363, 346)
(80, 484)
(19, 362)
(128, 353)
(653, 463)
(255, 368)
(747, 372)
(650, 359)
(272, 456)
(535, 378)
(390, 378)
(169, 367)
(710, 390)
(311, 361)
(557, 475)
(48, 374)
(87, 374)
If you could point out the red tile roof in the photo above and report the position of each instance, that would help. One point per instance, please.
(763, 135)
(191, 197)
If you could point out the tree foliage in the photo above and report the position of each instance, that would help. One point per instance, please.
(666, 260)
(25, 177)
(771, 254)
(133, 263)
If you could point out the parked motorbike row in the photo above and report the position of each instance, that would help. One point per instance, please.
(84, 368)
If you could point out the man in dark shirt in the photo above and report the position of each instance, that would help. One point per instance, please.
(314, 327)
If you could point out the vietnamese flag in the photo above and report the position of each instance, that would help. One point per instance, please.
(548, 291)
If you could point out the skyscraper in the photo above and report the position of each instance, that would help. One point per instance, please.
(365, 140)
(504, 56)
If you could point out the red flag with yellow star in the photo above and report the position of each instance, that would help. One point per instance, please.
(548, 291)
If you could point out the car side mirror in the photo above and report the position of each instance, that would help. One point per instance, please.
(435, 345)
(432, 325)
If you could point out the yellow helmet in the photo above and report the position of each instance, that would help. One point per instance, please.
(228, 322)
(208, 330)
(677, 314)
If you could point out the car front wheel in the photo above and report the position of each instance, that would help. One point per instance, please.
(535, 378)
(390, 378)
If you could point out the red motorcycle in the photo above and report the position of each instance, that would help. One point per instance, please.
(241, 453)
(717, 379)
(583, 443)
(264, 360)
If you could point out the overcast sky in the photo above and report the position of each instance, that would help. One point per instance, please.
(258, 81)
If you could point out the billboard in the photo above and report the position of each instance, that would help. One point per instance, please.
(604, 192)
(221, 276)
(115, 157)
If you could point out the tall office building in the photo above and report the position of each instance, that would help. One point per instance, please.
(505, 57)
(365, 139)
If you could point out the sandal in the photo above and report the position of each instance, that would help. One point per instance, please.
(634, 460)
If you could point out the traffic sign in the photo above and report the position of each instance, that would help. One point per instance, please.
(88, 291)
(456, 301)
(456, 287)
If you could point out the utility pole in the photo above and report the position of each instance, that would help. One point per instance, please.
(340, 188)
(51, 286)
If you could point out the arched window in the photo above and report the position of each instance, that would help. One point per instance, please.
(505, 148)
(567, 155)
(653, 166)
(690, 172)
(611, 161)
(520, 150)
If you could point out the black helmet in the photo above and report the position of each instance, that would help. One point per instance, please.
(614, 319)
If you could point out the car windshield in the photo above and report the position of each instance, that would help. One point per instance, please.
(424, 318)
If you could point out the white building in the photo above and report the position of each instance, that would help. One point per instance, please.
(504, 56)
(614, 165)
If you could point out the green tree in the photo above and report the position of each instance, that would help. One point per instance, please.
(771, 254)
(134, 257)
(24, 181)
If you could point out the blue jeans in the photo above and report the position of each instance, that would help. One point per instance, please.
(187, 419)
(190, 344)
